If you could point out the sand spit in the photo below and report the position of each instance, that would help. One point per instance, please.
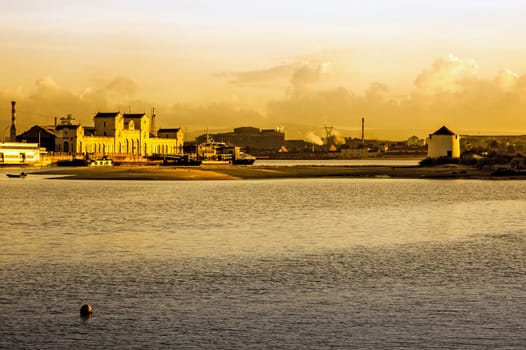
(229, 172)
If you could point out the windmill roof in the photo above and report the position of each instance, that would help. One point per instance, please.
(443, 131)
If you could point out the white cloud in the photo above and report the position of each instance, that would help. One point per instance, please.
(446, 75)
(506, 79)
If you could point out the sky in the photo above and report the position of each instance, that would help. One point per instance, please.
(406, 66)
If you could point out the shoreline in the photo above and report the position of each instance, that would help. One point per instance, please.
(232, 172)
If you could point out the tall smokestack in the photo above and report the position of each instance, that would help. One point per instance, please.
(363, 130)
(153, 125)
(13, 122)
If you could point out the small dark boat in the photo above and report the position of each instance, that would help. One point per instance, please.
(22, 174)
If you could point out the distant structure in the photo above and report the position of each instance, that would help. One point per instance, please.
(329, 137)
(363, 130)
(443, 143)
(415, 141)
(12, 134)
(253, 139)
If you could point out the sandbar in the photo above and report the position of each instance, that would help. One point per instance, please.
(232, 172)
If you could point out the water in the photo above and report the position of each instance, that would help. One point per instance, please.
(340, 162)
(308, 263)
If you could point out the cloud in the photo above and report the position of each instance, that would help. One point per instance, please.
(506, 79)
(310, 73)
(450, 91)
(298, 74)
(278, 72)
(213, 116)
(48, 100)
(447, 74)
(46, 83)
(122, 85)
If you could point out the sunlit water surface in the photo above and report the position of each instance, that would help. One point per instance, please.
(310, 263)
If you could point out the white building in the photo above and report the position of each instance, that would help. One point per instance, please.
(118, 134)
(19, 153)
(443, 143)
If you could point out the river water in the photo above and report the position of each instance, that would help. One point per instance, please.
(275, 264)
(340, 162)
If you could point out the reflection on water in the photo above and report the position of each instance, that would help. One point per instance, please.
(332, 263)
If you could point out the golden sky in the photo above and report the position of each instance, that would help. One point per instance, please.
(407, 66)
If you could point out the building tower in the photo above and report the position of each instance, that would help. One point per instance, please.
(153, 126)
(12, 134)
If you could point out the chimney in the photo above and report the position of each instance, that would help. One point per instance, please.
(153, 125)
(13, 122)
(363, 133)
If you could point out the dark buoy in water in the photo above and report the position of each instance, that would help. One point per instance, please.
(86, 310)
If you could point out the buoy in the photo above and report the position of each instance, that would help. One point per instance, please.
(86, 310)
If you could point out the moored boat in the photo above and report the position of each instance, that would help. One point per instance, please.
(218, 153)
(244, 159)
(104, 161)
(212, 152)
(21, 175)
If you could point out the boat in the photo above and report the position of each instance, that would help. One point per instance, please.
(21, 175)
(183, 160)
(244, 159)
(217, 153)
(212, 152)
(104, 161)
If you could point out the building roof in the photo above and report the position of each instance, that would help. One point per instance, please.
(134, 115)
(443, 131)
(46, 129)
(60, 127)
(246, 130)
(107, 115)
(169, 130)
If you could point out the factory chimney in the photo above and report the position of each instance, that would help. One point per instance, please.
(153, 126)
(12, 134)
(363, 133)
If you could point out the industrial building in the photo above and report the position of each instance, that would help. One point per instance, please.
(254, 140)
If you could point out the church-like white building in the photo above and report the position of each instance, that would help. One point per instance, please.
(116, 133)
(443, 143)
